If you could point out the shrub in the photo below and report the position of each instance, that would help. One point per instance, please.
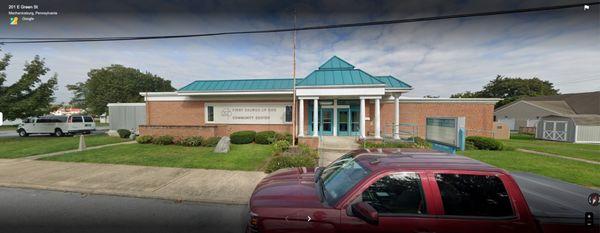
(283, 136)
(144, 139)
(280, 162)
(395, 144)
(265, 137)
(242, 137)
(420, 142)
(484, 143)
(191, 141)
(163, 140)
(281, 146)
(210, 142)
(124, 133)
(307, 151)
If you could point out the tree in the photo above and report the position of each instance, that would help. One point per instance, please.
(115, 84)
(511, 89)
(28, 96)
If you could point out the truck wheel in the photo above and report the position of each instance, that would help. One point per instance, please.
(22, 133)
(59, 133)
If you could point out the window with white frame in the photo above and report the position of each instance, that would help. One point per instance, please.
(288, 113)
(210, 113)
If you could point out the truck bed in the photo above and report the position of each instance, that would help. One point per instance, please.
(554, 203)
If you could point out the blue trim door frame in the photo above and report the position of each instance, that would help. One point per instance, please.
(325, 121)
(343, 122)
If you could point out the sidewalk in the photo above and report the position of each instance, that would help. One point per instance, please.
(557, 156)
(214, 186)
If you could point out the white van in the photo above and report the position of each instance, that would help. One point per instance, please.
(56, 125)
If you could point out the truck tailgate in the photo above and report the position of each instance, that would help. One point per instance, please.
(555, 203)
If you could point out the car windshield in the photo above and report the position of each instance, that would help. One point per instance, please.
(341, 176)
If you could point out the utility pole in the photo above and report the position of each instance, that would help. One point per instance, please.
(294, 130)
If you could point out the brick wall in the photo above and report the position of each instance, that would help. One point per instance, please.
(479, 117)
(186, 118)
(175, 113)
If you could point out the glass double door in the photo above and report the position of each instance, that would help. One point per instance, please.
(348, 122)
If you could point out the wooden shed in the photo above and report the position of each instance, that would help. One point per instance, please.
(582, 128)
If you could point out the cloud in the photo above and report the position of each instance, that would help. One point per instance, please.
(437, 58)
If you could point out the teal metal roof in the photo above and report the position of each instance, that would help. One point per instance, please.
(336, 63)
(392, 82)
(239, 85)
(338, 77)
(334, 72)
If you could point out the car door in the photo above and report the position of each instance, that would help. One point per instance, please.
(400, 199)
(473, 202)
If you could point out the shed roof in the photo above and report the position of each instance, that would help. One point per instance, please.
(582, 119)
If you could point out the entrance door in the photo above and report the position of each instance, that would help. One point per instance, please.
(355, 122)
(326, 121)
(344, 122)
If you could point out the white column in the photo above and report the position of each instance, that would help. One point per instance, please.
(335, 117)
(396, 117)
(316, 118)
(301, 119)
(362, 117)
(377, 119)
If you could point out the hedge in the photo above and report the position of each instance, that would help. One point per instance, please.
(243, 137)
(484, 143)
(281, 146)
(163, 140)
(265, 137)
(191, 141)
(280, 162)
(144, 139)
(211, 141)
(124, 133)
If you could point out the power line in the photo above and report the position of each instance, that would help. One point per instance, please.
(321, 27)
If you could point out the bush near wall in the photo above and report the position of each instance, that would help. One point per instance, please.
(124, 133)
(483, 143)
(211, 141)
(265, 137)
(284, 136)
(191, 141)
(243, 137)
(280, 162)
(163, 140)
(145, 139)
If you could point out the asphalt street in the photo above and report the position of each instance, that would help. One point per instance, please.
(29, 210)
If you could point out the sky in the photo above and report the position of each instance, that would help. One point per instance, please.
(437, 58)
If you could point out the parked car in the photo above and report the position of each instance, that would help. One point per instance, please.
(56, 125)
(393, 190)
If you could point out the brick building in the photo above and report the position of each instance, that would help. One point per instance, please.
(336, 99)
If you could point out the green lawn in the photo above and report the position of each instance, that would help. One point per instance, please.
(567, 170)
(8, 127)
(16, 147)
(583, 151)
(248, 157)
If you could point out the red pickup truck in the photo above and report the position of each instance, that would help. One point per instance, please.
(403, 190)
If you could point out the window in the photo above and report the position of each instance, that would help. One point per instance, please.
(474, 195)
(399, 193)
(288, 113)
(76, 119)
(340, 177)
(88, 119)
(210, 113)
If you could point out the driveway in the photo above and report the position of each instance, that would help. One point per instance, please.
(213, 186)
